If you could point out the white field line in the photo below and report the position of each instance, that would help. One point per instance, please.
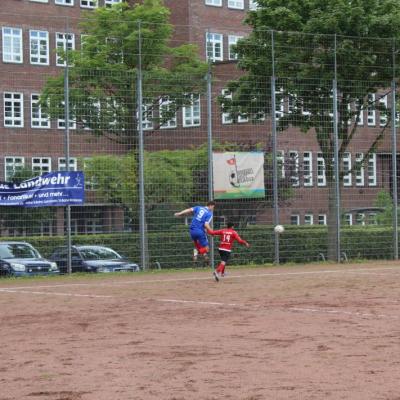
(207, 303)
(206, 278)
(343, 312)
(54, 293)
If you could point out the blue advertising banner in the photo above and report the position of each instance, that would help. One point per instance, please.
(59, 188)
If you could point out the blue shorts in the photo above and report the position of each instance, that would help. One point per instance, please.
(199, 236)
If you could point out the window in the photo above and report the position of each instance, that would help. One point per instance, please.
(371, 110)
(214, 43)
(147, 117)
(361, 116)
(61, 121)
(307, 168)
(64, 42)
(73, 164)
(13, 109)
(360, 219)
(94, 224)
(308, 219)
(280, 158)
(65, 2)
(226, 117)
(280, 106)
(383, 111)
(346, 169)
(12, 165)
(348, 219)
(109, 3)
(41, 165)
(91, 183)
(294, 167)
(372, 219)
(167, 114)
(38, 118)
(39, 47)
(321, 176)
(253, 5)
(191, 114)
(89, 3)
(321, 219)
(232, 40)
(372, 170)
(216, 3)
(295, 219)
(359, 167)
(40, 1)
(12, 45)
(238, 4)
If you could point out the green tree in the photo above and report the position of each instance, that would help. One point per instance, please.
(103, 74)
(304, 61)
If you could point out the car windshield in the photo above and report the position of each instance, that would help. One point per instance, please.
(98, 253)
(17, 250)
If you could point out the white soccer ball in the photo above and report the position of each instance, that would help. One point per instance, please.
(279, 229)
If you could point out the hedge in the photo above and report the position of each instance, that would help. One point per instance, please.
(173, 249)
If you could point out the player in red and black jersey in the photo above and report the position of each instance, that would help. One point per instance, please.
(227, 237)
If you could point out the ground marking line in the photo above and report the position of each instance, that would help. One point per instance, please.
(55, 294)
(211, 303)
(268, 274)
(342, 312)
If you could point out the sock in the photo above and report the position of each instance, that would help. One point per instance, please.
(202, 250)
(220, 268)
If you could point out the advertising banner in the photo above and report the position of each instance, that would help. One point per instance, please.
(59, 188)
(238, 175)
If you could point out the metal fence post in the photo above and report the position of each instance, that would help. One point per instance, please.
(336, 154)
(274, 151)
(142, 214)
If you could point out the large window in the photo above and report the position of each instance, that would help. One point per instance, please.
(41, 165)
(359, 167)
(64, 42)
(167, 114)
(73, 164)
(65, 2)
(346, 169)
(13, 110)
(214, 45)
(321, 175)
(232, 41)
(89, 3)
(372, 170)
(226, 117)
(307, 168)
(371, 120)
(39, 47)
(38, 118)
(217, 3)
(238, 4)
(294, 167)
(295, 219)
(147, 117)
(321, 219)
(308, 219)
(61, 122)
(383, 111)
(12, 165)
(191, 114)
(12, 45)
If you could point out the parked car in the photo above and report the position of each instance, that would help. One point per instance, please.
(22, 259)
(92, 259)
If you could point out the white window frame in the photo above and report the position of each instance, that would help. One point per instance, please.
(253, 5)
(40, 1)
(214, 3)
(372, 181)
(361, 121)
(110, 3)
(322, 219)
(40, 40)
(147, 117)
(165, 104)
(280, 105)
(295, 218)
(383, 103)
(307, 168)
(68, 3)
(42, 120)
(348, 219)
(371, 112)
(65, 43)
(347, 178)
(360, 218)
(61, 121)
(226, 117)
(308, 219)
(280, 157)
(191, 115)
(372, 218)
(294, 161)
(359, 174)
(321, 170)
(12, 45)
(73, 164)
(214, 46)
(12, 164)
(236, 4)
(232, 40)
(90, 4)
(41, 165)
(13, 109)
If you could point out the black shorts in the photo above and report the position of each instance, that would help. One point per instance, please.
(224, 255)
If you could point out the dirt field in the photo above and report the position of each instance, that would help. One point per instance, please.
(299, 332)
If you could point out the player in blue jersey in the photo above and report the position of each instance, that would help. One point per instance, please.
(202, 216)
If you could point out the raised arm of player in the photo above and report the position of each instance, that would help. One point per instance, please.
(184, 212)
(241, 241)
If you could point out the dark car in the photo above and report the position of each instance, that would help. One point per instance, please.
(22, 259)
(92, 259)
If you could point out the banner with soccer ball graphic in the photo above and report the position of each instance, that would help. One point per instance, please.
(238, 175)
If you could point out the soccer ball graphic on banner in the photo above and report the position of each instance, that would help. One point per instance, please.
(279, 229)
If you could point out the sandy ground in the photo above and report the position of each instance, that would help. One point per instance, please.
(300, 332)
